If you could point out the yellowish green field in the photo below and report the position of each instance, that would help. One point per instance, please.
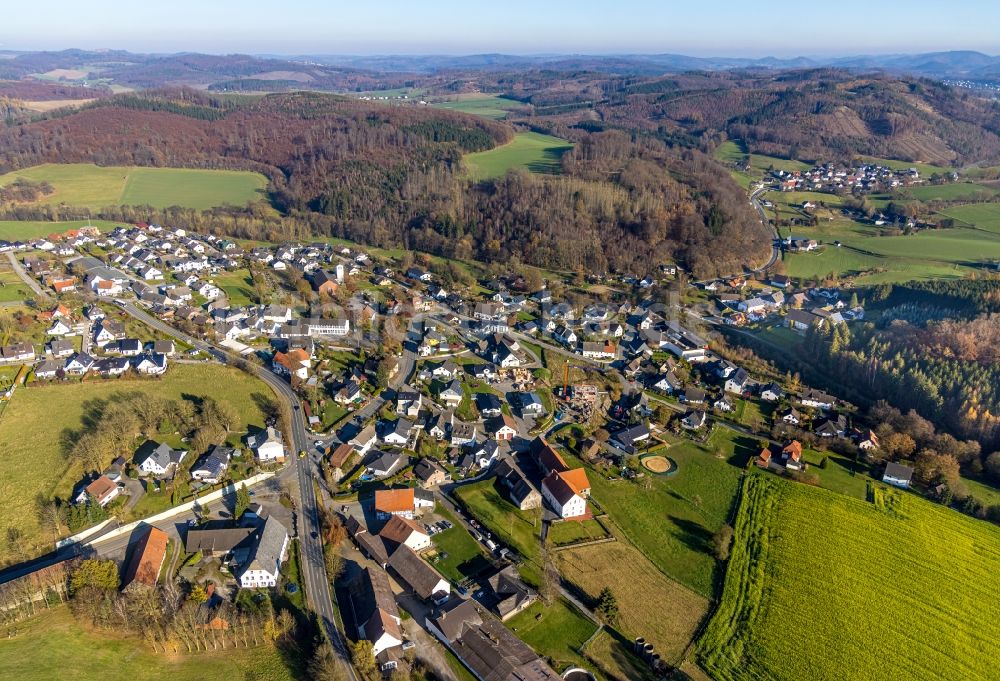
(54, 645)
(906, 590)
(488, 106)
(530, 151)
(36, 435)
(90, 186)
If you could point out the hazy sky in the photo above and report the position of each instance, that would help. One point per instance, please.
(706, 27)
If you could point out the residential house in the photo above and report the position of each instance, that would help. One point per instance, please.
(403, 531)
(868, 441)
(452, 394)
(834, 426)
(375, 611)
(59, 328)
(79, 364)
(364, 440)
(143, 568)
(417, 575)
(151, 364)
(398, 432)
(502, 427)
(897, 475)
(694, 419)
(489, 405)
(529, 404)
(430, 473)
(266, 444)
(791, 454)
(566, 492)
(737, 381)
(263, 563)
(505, 594)
(102, 491)
(519, 490)
(791, 416)
(294, 363)
(211, 467)
(772, 392)
(816, 399)
(384, 464)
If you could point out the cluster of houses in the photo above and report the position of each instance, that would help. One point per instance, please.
(737, 304)
(471, 629)
(836, 179)
(94, 344)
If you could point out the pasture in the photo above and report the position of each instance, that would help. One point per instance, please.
(237, 285)
(944, 253)
(980, 215)
(487, 106)
(95, 187)
(521, 530)
(17, 230)
(672, 518)
(650, 604)
(530, 151)
(37, 426)
(55, 645)
(951, 191)
(555, 631)
(909, 590)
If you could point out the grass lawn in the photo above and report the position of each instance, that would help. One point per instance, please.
(518, 529)
(11, 286)
(555, 631)
(488, 106)
(571, 532)
(612, 653)
(982, 215)
(237, 285)
(35, 423)
(650, 604)
(673, 521)
(465, 556)
(54, 645)
(944, 253)
(946, 192)
(85, 185)
(868, 587)
(14, 230)
(528, 150)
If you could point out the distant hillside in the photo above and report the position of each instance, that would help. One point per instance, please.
(809, 115)
(394, 176)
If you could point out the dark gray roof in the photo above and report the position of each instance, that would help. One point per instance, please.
(266, 553)
(414, 571)
(162, 453)
(216, 539)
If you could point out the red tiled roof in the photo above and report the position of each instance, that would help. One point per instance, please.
(394, 500)
(147, 557)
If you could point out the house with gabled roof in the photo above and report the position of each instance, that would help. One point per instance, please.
(263, 563)
(156, 458)
(375, 611)
(143, 568)
(400, 530)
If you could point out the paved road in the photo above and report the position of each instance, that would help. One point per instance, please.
(316, 582)
(32, 284)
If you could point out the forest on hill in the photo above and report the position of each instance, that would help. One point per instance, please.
(393, 176)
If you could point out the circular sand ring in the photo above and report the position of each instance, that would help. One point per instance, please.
(660, 465)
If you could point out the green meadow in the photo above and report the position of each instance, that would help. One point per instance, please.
(487, 106)
(530, 151)
(16, 230)
(91, 186)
